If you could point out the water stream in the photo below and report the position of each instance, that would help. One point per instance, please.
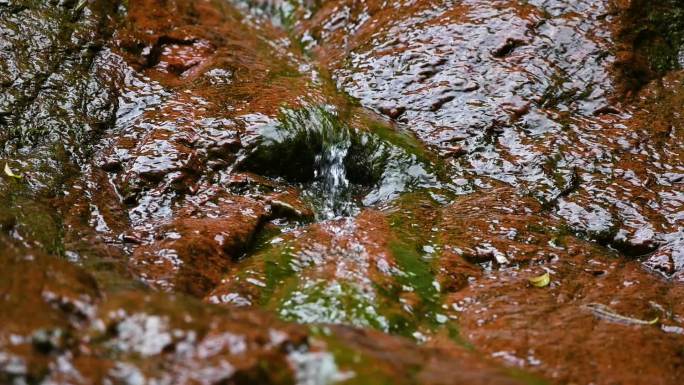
(339, 168)
(331, 177)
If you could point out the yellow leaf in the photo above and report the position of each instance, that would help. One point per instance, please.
(603, 311)
(541, 281)
(10, 173)
(81, 4)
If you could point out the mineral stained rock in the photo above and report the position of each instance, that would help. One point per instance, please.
(319, 192)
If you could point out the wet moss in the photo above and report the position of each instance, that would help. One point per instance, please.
(292, 289)
(331, 302)
(30, 205)
(111, 273)
(277, 270)
(414, 220)
(402, 139)
(289, 149)
(413, 215)
(39, 224)
(654, 32)
(285, 71)
(662, 35)
(525, 377)
(33, 220)
(366, 369)
(418, 274)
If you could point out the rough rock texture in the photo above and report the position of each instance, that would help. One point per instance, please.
(56, 98)
(527, 94)
(55, 87)
(305, 192)
(58, 327)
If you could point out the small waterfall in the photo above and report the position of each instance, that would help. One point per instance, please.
(339, 169)
(331, 176)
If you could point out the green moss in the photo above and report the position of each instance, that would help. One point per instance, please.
(525, 377)
(27, 204)
(39, 224)
(292, 290)
(401, 139)
(277, 269)
(407, 142)
(414, 214)
(455, 335)
(418, 274)
(658, 33)
(367, 370)
(331, 302)
(668, 22)
(285, 71)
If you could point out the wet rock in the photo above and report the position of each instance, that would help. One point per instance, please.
(186, 124)
(401, 57)
(498, 228)
(443, 364)
(390, 270)
(51, 62)
(375, 270)
(207, 97)
(186, 343)
(57, 96)
(526, 326)
(200, 152)
(191, 75)
(668, 259)
(455, 265)
(192, 252)
(58, 328)
(562, 135)
(209, 40)
(489, 244)
(290, 205)
(45, 303)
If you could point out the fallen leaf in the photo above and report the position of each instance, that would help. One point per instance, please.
(541, 281)
(10, 173)
(603, 311)
(81, 4)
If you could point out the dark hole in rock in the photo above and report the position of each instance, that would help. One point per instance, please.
(339, 168)
(654, 34)
(507, 48)
(156, 50)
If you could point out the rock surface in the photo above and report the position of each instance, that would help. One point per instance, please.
(305, 192)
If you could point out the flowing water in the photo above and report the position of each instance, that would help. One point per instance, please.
(331, 176)
(331, 188)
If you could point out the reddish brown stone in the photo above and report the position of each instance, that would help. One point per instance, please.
(193, 252)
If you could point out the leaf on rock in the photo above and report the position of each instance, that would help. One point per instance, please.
(604, 312)
(541, 281)
(10, 173)
(81, 4)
